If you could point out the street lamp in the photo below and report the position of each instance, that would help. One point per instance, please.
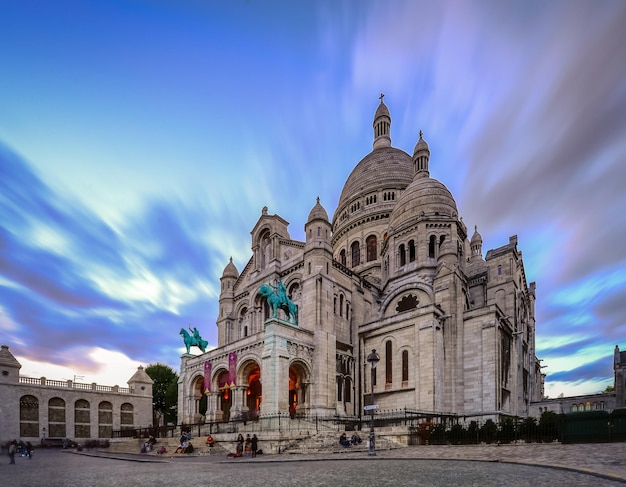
(373, 358)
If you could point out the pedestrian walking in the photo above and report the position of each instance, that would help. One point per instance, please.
(254, 445)
(12, 450)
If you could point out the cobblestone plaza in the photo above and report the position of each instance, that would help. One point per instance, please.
(519, 465)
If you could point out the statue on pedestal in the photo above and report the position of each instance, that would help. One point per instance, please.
(277, 298)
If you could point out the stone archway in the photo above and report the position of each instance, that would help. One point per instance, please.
(251, 376)
(225, 398)
(299, 375)
(199, 405)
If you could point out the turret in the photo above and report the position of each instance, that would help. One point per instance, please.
(141, 383)
(9, 367)
(382, 126)
(421, 156)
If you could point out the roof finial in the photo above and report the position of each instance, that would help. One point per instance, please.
(382, 95)
(318, 200)
(421, 133)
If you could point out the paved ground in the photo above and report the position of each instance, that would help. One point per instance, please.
(533, 465)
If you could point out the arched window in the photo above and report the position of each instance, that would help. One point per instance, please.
(342, 257)
(431, 246)
(388, 363)
(347, 397)
(105, 419)
(243, 321)
(339, 389)
(341, 305)
(356, 254)
(371, 248)
(126, 415)
(402, 253)
(82, 419)
(411, 251)
(265, 249)
(29, 416)
(405, 366)
(56, 418)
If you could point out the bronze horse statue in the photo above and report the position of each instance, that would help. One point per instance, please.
(193, 341)
(277, 301)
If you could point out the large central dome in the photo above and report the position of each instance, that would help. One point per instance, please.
(382, 168)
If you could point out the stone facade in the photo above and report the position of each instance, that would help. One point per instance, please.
(394, 271)
(32, 409)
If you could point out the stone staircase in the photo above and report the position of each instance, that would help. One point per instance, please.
(328, 442)
(288, 442)
(134, 446)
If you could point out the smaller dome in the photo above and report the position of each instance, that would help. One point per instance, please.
(230, 270)
(382, 111)
(421, 145)
(424, 196)
(477, 239)
(318, 212)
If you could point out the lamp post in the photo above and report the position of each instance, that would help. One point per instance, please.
(373, 358)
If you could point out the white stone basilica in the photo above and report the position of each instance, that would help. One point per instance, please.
(394, 271)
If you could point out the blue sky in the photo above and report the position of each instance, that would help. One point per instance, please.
(139, 141)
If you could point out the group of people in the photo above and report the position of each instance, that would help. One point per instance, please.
(248, 447)
(185, 443)
(149, 444)
(355, 439)
(21, 448)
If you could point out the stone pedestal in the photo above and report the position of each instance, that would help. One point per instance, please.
(275, 366)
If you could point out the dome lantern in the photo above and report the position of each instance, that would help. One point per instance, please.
(382, 125)
(421, 156)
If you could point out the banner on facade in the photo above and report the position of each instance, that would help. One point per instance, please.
(207, 377)
(232, 369)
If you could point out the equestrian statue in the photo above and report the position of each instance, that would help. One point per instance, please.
(276, 297)
(194, 339)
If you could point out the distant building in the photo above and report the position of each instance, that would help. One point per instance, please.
(32, 409)
(602, 401)
(395, 271)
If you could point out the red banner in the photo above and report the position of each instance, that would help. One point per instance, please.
(207, 377)
(232, 368)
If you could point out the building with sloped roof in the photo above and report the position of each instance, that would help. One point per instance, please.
(393, 275)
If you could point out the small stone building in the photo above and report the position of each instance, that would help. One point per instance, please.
(602, 401)
(32, 409)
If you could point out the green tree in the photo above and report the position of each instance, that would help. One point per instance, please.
(164, 392)
(488, 431)
(549, 426)
(528, 429)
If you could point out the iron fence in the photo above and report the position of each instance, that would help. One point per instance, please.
(422, 427)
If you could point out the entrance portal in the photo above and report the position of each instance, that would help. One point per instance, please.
(225, 398)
